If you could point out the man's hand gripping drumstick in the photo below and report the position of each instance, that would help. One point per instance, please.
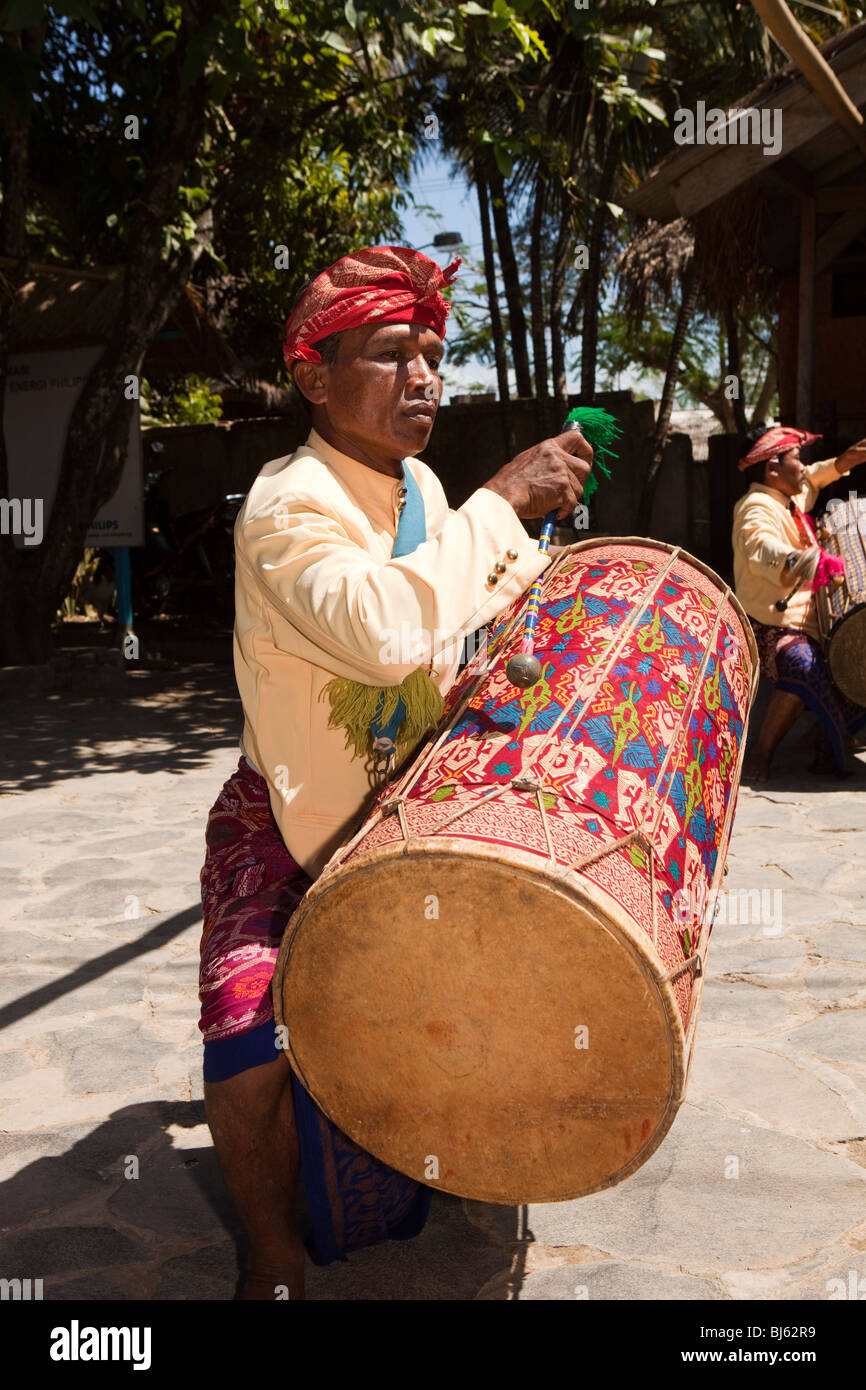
(524, 669)
(549, 477)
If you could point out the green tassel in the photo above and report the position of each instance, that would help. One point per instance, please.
(354, 706)
(601, 431)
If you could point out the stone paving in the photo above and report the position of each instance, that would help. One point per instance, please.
(759, 1190)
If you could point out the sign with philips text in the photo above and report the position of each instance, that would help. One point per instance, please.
(41, 391)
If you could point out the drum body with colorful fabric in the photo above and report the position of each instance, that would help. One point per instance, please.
(842, 610)
(494, 985)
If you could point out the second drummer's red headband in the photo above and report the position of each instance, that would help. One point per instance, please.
(776, 441)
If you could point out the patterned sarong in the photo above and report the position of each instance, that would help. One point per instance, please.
(793, 661)
(251, 885)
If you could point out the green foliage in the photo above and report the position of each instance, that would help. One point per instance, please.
(188, 401)
(314, 114)
(311, 117)
(86, 572)
(606, 77)
(625, 349)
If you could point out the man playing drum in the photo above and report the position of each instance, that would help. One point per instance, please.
(778, 566)
(355, 587)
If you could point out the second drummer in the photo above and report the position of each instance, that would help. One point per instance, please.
(777, 561)
(355, 586)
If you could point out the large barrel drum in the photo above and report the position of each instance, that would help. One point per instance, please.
(842, 608)
(494, 986)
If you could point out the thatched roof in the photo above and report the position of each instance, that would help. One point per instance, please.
(731, 264)
(730, 268)
(254, 398)
(737, 202)
(697, 176)
(653, 263)
(59, 306)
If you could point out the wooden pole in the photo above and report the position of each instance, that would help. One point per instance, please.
(814, 67)
(806, 314)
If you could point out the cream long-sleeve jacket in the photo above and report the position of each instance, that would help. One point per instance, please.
(764, 535)
(318, 595)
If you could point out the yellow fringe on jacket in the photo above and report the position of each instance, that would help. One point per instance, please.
(354, 707)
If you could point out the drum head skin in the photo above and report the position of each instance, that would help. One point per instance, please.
(846, 654)
(485, 1029)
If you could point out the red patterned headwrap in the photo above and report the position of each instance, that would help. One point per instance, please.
(379, 284)
(776, 441)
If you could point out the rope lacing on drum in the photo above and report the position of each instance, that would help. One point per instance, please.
(524, 783)
(693, 963)
(616, 646)
(524, 780)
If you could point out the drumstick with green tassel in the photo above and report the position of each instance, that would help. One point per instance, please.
(600, 430)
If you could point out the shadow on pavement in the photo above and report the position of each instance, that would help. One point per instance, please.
(136, 1209)
(130, 1210)
(100, 965)
(167, 722)
(790, 769)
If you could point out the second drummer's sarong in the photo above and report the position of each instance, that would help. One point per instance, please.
(251, 885)
(793, 661)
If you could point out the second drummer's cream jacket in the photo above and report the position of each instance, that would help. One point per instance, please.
(317, 595)
(764, 535)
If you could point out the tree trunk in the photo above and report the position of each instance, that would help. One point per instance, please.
(734, 369)
(666, 405)
(511, 281)
(497, 330)
(766, 394)
(496, 327)
(25, 625)
(536, 303)
(716, 401)
(592, 287)
(557, 294)
(25, 619)
(96, 440)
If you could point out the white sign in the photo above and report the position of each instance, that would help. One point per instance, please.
(41, 391)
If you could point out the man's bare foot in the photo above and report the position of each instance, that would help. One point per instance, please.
(269, 1279)
(251, 1118)
(756, 768)
(824, 764)
(783, 710)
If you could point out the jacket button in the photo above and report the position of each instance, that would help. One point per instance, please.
(499, 567)
(493, 579)
(511, 554)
